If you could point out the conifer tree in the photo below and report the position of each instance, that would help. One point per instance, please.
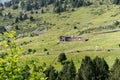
(61, 57)
(101, 69)
(68, 71)
(25, 72)
(51, 73)
(86, 71)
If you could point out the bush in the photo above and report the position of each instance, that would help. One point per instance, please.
(31, 51)
(15, 6)
(48, 53)
(45, 49)
(31, 18)
(62, 57)
(75, 27)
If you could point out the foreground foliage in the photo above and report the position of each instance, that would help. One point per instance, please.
(9, 61)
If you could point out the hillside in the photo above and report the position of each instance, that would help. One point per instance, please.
(104, 43)
(39, 30)
(91, 22)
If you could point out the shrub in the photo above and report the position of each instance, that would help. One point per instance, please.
(75, 27)
(48, 53)
(15, 6)
(62, 57)
(31, 51)
(45, 49)
(31, 18)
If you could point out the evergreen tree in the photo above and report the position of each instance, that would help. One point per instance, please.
(1, 14)
(42, 11)
(68, 71)
(51, 73)
(86, 71)
(1, 5)
(25, 72)
(15, 6)
(25, 16)
(36, 6)
(63, 73)
(28, 6)
(22, 4)
(71, 71)
(31, 18)
(16, 27)
(9, 15)
(61, 57)
(16, 20)
(116, 1)
(8, 4)
(21, 17)
(101, 69)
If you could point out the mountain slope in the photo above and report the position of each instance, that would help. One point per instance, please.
(102, 42)
(95, 22)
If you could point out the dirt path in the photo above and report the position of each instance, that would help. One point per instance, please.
(110, 31)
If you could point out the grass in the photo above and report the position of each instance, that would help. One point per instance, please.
(64, 24)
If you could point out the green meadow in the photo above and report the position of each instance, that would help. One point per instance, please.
(103, 43)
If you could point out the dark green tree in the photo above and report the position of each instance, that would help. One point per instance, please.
(28, 6)
(36, 6)
(25, 72)
(101, 69)
(9, 15)
(1, 14)
(86, 71)
(42, 11)
(63, 73)
(68, 71)
(21, 17)
(8, 4)
(71, 71)
(22, 4)
(31, 18)
(116, 1)
(16, 20)
(16, 27)
(62, 57)
(51, 73)
(15, 6)
(25, 16)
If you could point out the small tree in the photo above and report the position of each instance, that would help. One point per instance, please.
(16, 27)
(31, 18)
(42, 11)
(16, 20)
(1, 14)
(25, 16)
(9, 15)
(62, 57)
(15, 6)
(25, 72)
(51, 73)
(9, 68)
(68, 71)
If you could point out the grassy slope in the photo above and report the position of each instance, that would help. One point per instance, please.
(65, 26)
